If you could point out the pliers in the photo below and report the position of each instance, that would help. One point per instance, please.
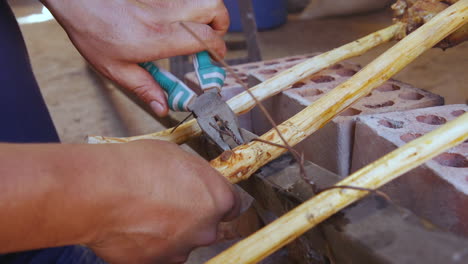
(214, 116)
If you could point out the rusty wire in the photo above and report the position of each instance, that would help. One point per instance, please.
(181, 122)
(297, 157)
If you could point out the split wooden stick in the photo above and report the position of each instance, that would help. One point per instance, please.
(243, 102)
(309, 214)
(243, 161)
(295, 223)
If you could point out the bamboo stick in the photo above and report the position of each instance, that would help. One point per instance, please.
(312, 212)
(243, 161)
(242, 103)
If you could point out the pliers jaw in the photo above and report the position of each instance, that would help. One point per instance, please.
(216, 119)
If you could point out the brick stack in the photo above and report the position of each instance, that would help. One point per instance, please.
(331, 146)
(437, 190)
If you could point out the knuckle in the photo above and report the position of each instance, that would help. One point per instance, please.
(211, 4)
(225, 200)
(108, 71)
(143, 92)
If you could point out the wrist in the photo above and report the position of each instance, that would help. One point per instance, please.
(91, 186)
(47, 190)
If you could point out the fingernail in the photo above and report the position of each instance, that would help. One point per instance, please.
(157, 107)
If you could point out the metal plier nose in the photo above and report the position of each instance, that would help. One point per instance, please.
(214, 116)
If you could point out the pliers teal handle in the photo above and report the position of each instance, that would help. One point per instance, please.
(179, 95)
(209, 75)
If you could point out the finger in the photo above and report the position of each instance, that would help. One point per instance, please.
(221, 21)
(138, 81)
(210, 12)
(173, 40)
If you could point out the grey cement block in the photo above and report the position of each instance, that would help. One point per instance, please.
(331, 146)
(369, 231)
(437, 190)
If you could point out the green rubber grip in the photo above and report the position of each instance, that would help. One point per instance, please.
(179, 95)
(209, 75)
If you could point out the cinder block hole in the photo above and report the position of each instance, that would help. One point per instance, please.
(298, 85)
(388, 87)
(458, 113)
(336, 66)
(384, 104)
(322, 79)
(243, 80)
(452, 160)
(351, 112)
(271, 63)
(309, 92)
(250, 67)
(268, 71)
(431, 119)
(411, 96)
(346, 72)
(293, 59)
(391, 123)
(410, 137)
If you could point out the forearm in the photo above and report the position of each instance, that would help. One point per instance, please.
(48, 196)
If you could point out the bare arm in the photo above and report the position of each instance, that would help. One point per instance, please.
(42, 192)
(127, 202)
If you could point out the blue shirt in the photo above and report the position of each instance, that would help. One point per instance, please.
(24, 118)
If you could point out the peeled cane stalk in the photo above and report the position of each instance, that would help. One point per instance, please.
(243, 102)
(309, 214)
(243, 161)
(312, 212)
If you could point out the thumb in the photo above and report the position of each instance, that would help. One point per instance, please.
(138, 81)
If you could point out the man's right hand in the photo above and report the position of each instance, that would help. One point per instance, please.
(168, 202)
(141, 202)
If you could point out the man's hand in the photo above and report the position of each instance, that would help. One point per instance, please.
(116, 35)
(142, 202)
(161, 219)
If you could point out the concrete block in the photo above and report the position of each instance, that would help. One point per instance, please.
(437, 190)
(232, 87)
(331, 146)
(371, 230)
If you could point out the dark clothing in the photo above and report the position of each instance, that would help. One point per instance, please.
(23, 114)
(24, 118)
(60, 255)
